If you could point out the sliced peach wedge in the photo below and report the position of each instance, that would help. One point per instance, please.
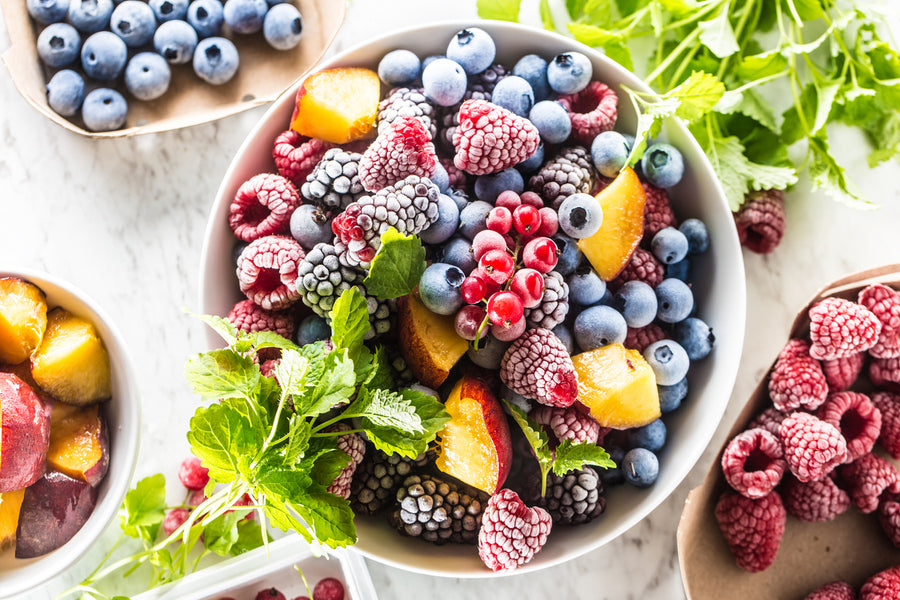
(338, 105)
(23, 319)
(428, 341)
(79, 443)
(10, 505)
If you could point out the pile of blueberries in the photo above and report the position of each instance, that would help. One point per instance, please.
(140, 40)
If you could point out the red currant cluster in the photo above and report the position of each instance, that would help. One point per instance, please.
(513, 254)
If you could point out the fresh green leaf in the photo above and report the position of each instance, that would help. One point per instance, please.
(764, 64)
(298, 439)
(144, 508)
(717, 35)
(328, 516)
(886, 139)
(397, 267)
(328, 465)
(599, 12)
(380, 376)
(222, 374)
(334, 387)
(221, 326)
(809, 10)
(270, 339)
(748, 103)
(696, 96)
(546, 15)
(826, 91)
(570, 456)
(575, 8)
(829, 176)
(222, 434)
(502, 10)
(591, 35)
(680, 8)
(431, 417)
(221, 534)
(349, 319)
(250, 536)
(291, 372)
(534, 433)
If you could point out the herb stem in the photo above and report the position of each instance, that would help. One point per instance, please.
(659, 70)
(336, 433)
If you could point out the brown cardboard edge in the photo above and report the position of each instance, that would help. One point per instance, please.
(24, 68)
(703, 555)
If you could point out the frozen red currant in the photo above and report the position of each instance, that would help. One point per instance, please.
(174, 519)
(487, 240)
(508, 199)
(528, 285)
(526, 219)
(473, 289)
(540, 254)
(329, 589)
(532, 199)
(270, 594)
(508, 334)
(468, 321)
(505, 308)
(549, 222)
(500, 219)
(192, 474)
(496, 265)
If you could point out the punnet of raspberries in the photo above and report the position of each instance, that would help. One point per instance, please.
(506, 176)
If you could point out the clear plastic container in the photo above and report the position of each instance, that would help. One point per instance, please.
(244, 576)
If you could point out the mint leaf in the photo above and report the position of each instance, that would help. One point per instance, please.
(221, 326)
(570, 457)
(250, 536)
(270, 339)
(335, 386)
(384, 408)
(222, 374)
(546, 15)
(298, 440)
(680, 8)
(291, 372)
(380, 376)
(431, 417)
(328, 465)
(221, 534)
(717, 35)
(502, 10)
(223, 436)
(696, 96)
(829, 176)
(349, 319)
(397, 267)
(328, 516)
(144, 508)
(750, 104)
(764, 64)
(537, 439)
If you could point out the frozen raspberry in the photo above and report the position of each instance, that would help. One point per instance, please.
(867, 478)
(355, 447)
(658, 212)
(457, 176)
(192, 474)
(885, 373)
(262, 206)
(761, 221)
(885, 305)
(269, 594)
(538, 366)
(836, 590)
(819, 500)
(511, 533)
(174, 519)
(591, 111)
(889, 517)
(753, 463)
(857, 419)
(752, 528)
(797, 380)
(812, 447)
(642, 266)
(841, 373)
(403, 149)
(889, 406)
(571, 423)
(249, 317)
(267, 271)
(769, 419)
(490, 138)
(267, 367)
(839, 327)
(296, 156)
(196, 498)
(328, 589)
(638, 339)
(882, 586)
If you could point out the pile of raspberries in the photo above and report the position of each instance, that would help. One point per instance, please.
(822, 446)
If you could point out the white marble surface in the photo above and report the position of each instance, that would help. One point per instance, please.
(124, 219)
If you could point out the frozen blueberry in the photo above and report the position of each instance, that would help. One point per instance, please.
(446, 224)
(58, 45)
(175, 41)
(569, 254)
(585, 286)
(459, 196)
(439, 288)
(90, 16)
(697, 235)
(310, 226)
(609, 152)
(216, 60)
(47, 11)
(473, 49)
(569, 72)
(444, 82)
(169, 10)
(675, 300)
(440, 177)
(651, 436)
(514, 94)
(65, 92)
(680, 270)
(671, 396)
(312, 329)
(206, 17)
(614, 475)
(695, 336)
(669, 245)
(103, 56)
(399, 67)
(133, 21)
(552, 121)
(283, 26)
(669, 361)
(472, 218)
(430, 59)
(489, 354)
(637, 302)
(533, 69)
(104, 110)
(488, 187)
(565, 336)
(147, 76)
(663, 165)
(458, 252)
(580, 215)
(533, 162)
(640, 467)
(245, 16)
(598, 326)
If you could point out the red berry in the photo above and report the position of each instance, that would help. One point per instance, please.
(867, 478)
(533, 199)
(505, 309)
(538, 366)
(487, 240)
(511, 533)
(856, 417)
(836, 590)
(328, 589)
(403, 149)
(192, 474)
(270, 594)
(592, 110)
(882, 586)
(262, 206)
(526, 219)
(549, 222)
(753, 463)
(196, 498)
(528, 285)
(761, 221)
(839, 328)
(812, 447)
(752, 528)
(490, 138)
(508, 199)
(540, 254)
(500, 219)
(509, 334)
(468, 320)
(473, 289)
(174, 519)
(496, 265)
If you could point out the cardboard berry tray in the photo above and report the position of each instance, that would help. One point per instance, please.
(263, 74)
(851, 548)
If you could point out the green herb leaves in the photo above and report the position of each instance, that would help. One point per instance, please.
(397, 267)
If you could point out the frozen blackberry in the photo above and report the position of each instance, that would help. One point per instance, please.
(334, 182)
(481, 86)
(377, 479)
(574, 498)
(406, 102)
(554, 304)
(400, 369)
(438, 511)
(567, 173)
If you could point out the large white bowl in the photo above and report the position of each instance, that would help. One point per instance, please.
(718, 287)
(122, 414)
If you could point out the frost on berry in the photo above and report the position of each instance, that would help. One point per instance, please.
(812, 447)
(867, 478)
(174, 519)
(262, 206)
(641, 337)
(658, 213)
(490, 138)
(752, 528)
(884, 303)
(885, 373)
(511, 532)
(884, 585)
(571, 423)
(406, 102)
(538, 366)
(403, 149)
(814, 501)
(593, 110)
(267, 271)
(570, 171)
(642, 266)
(296, 156)
(247, 316)
(797, 381)
(753, 463)
(841, 373)
(328, 589)
(889, 517)
(760, 221)
(354, 446)
(888, 405)
(770, 419)
(192, 474)
(857, 419)
(839, 328)
(836, 590)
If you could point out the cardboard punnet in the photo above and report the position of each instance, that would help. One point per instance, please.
(263, 73)
(850, 548)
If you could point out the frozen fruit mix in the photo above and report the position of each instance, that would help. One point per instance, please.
(546, 289)
(54, 449)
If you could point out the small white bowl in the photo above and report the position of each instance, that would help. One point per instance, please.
(122, 414)
(718, 286)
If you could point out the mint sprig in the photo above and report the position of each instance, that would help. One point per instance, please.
(397, 267)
